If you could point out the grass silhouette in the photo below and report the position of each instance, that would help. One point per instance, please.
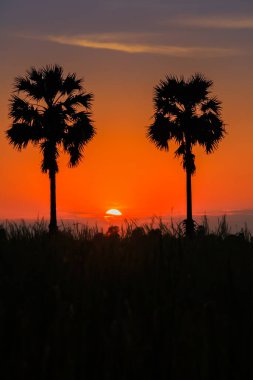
(140, 302)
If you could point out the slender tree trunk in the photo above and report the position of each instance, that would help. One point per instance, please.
(53, 220)
(189, 220)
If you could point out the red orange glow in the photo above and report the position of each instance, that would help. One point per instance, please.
(121, 169)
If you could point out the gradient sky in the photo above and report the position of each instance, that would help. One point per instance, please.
(123, 48)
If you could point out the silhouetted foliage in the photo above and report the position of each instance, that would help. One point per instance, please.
(186, 113)
(53, 113)
(146, 305)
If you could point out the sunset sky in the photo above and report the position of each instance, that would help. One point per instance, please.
(122, 48)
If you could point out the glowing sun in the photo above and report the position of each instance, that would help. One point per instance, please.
(114, 212)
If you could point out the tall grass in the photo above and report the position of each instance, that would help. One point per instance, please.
(140, 301)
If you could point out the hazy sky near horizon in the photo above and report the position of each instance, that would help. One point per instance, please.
(122, 49)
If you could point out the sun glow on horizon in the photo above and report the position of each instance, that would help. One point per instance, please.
(114, 212)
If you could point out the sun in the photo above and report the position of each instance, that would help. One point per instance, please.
(114, 212)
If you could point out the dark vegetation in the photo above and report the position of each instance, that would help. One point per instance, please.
(137, 303)
(140, 303)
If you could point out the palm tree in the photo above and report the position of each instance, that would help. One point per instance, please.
(53, 113)
(186, 113)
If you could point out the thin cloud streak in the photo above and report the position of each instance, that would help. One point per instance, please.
(99, 42)
(220, 23)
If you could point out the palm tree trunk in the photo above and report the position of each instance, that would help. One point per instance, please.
(53, 220)
(189, 195)
(189, 220)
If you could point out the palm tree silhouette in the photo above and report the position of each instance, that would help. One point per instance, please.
(53, 113)
(186, 113)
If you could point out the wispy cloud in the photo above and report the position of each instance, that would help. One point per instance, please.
(120, 44)
(220, 23)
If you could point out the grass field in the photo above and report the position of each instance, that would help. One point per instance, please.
(137, 303)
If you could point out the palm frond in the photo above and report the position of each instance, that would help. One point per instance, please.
(81, 99)
(159, 132)
(77, 137)
(212, 104)
(171, 89)
(71, 84)
(20, 134)
(83, 130)
(209, 129)
(197, 89)
(34, 90)
(40, 84)
(163, 129)
(35, 75)
(21, 110)
(75, 155)
(167, 106)
(181, 150)
(52, 81)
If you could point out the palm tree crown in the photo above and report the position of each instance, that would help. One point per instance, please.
(53, 112)
(49, 115)
(186, 113)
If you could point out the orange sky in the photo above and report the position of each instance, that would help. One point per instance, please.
(121, 168)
